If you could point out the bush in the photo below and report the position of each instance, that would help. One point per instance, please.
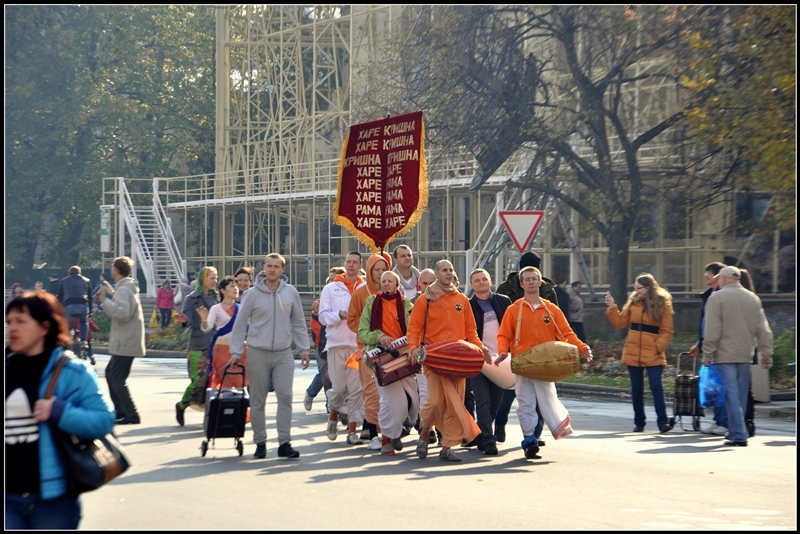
(784, 353)
(171, 338)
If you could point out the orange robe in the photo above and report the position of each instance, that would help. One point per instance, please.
(449, 317)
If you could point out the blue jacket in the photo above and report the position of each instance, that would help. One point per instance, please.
(80, 408)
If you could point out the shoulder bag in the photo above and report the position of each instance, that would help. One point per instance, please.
(88, 463)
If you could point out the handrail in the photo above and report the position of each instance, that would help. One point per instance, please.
(165, 228)
(138, 242)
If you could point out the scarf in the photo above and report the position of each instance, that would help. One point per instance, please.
(414, 284)
(351, 286)
(376, 321)
(228, 328)
(436, 290)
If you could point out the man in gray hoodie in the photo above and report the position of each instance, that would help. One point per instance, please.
(271, 317)
(126, 340)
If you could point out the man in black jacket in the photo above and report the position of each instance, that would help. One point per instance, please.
(488, 308)
(75, 294)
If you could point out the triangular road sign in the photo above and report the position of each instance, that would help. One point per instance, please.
(522, 226)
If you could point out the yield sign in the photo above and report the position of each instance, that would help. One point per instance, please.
(522, 226)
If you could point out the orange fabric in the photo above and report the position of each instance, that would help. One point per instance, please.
(449, 317)
(537, 327)
(445, 410)
(357, 304)
(352, 361)
(369, 391)
(390, 323)
(360, 295)
(644, 349)
(316, 327)
(351, 286)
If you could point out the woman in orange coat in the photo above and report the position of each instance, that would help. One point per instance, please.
(648, 312)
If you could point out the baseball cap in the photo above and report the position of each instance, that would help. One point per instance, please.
(730, 272)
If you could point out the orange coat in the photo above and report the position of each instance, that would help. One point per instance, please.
(644, 349)
(538, 326)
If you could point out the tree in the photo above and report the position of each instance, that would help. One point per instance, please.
(586, 88)
(747, 60)
(94, 91)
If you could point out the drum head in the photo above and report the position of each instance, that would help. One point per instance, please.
(501, 374)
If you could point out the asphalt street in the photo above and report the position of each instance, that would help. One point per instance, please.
(603, 477)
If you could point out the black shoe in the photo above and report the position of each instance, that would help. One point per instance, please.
(531, 452)
(730, 443)
(179, 408)
(500, 433)
(472, 443)
(286, 451)
(751, 429)
(540, 442)
(127, 420)
(261, 450)
(665, 428)
(490, 449)
(638, 428)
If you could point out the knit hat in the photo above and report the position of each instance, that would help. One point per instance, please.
(529, 259)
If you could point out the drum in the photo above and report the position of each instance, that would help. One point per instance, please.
(550, 361)
(453, 359)
(501, 374)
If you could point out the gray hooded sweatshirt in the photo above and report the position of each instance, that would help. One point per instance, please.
(270, 320)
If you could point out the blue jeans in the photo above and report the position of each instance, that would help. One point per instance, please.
(79, 311)
(27, 512)
(637, 394)
(721, 416)
(736, 377)
(316, 383)
(166, 316)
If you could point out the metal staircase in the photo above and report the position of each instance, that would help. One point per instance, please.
(153, 244)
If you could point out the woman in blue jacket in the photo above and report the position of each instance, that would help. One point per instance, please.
(36, 486)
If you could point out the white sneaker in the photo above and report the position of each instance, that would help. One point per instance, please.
(308, 400)
(713, 429)
(375, 444)
(364, 434)
(352, 439)
(333, 429)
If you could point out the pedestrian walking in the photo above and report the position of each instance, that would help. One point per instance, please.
(735, 323)
(270, 318)
(126, 339)
(648, 313)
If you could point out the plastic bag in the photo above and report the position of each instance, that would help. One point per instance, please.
(154, 322)
(712, 388)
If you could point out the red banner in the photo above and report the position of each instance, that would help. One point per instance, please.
(382, 186)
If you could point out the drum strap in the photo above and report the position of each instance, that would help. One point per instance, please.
(519, 323)
(424, 329)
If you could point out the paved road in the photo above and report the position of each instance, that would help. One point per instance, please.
(601, 477)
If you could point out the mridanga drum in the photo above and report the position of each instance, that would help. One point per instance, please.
(550, 361)
(453, 358)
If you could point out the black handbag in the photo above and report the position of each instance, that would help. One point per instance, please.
(88, 463)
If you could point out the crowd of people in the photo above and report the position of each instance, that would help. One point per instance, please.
(387, 302)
